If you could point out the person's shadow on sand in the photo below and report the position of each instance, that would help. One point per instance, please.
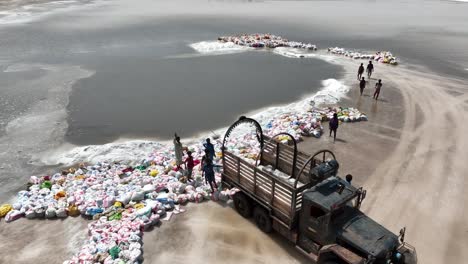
(341, 140)
(374, 107)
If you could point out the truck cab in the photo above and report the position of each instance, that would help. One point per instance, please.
(330, 216)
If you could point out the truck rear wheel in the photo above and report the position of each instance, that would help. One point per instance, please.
(242, 205)
(262, 219)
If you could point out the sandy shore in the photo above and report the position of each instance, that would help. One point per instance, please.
(410, 157)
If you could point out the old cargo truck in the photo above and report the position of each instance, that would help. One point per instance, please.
(302, 198)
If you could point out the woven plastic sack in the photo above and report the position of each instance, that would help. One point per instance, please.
(224, 196)
(40, 213)
(73, 210)
(115, 216)
(60, 194)
(46, 185)
(139, 206)
(13, 215)
(50, 213)
(61, 213)
(4, 209)
(148, 188)
(30, 214)
(114, 252)
(138, 196)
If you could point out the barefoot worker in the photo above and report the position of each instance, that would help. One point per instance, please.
(360, 71)
(362, 84)
(370, 69)
(378, 86)
(208, 172)
(334, 126)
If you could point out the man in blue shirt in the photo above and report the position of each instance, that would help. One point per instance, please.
(209, 149)
(208, 172)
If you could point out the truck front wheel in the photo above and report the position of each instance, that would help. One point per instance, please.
(262, 219)
(242, 205)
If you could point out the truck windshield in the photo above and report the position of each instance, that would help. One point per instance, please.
(338, 212)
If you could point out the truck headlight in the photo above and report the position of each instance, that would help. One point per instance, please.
(397, 255)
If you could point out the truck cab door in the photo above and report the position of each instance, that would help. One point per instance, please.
(315, 225)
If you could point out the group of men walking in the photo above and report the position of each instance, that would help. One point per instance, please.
(207, 165)
(362, 80)
(334, 122)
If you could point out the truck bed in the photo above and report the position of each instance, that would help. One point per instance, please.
(279, 195)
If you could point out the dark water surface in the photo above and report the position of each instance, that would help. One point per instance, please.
(149, 96)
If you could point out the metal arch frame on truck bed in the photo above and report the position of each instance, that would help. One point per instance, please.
(277, 151)
(247, 120)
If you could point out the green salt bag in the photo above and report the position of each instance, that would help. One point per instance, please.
(46, 184)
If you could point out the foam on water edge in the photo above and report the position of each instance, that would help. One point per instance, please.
(293, 53)
(216, 47)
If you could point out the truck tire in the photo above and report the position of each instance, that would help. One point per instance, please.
(262, 219)
(243, 205)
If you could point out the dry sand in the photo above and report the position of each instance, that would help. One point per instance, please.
(411, 157)
(214, 233)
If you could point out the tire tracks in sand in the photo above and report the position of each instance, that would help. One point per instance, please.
(422, 183)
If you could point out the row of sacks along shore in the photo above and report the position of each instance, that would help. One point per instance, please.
(380, 56)
(125, 200)
(265, 40)
(310, 123)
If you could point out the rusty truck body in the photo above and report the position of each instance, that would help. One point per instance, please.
(301, 197)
